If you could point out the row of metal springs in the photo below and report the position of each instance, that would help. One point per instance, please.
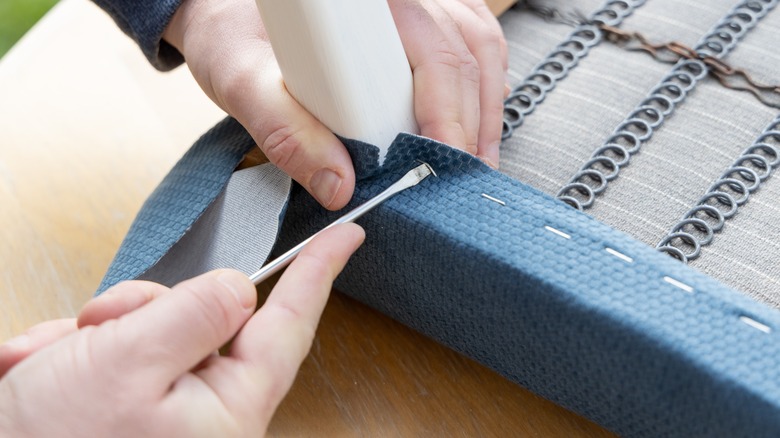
(594, 176)
(723, 198)
(524, 98)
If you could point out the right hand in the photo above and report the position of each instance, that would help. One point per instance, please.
(140, 360)
(456, 50)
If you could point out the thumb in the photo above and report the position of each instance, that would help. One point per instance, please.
(227, 51)
(292, 138)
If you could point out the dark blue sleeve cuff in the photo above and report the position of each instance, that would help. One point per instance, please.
(144, 21)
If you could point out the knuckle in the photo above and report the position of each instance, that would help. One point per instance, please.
(444, 55)
(212, 305)
(461, 61)
(470, 68)
(317, 266)
(216, 309)
(283, 147)
(493, 38)
(493, 41)
(449, 131)
(232, 85)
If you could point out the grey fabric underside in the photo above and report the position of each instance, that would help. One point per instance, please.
(684, 157)
(218, 238)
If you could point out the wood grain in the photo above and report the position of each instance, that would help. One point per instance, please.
(499, 6)
(369, 376)
(87, 130)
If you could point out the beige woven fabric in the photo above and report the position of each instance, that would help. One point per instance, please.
(694, 146)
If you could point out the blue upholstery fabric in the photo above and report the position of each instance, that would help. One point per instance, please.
(144, 21)
(609, 338)
(612, 339)
(179, 200)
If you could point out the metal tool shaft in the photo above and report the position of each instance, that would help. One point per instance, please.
(411, 179)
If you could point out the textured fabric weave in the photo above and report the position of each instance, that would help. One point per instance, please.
(180, 199)
(254, 200)
(612, 339)
(560, 302)
(707, 132)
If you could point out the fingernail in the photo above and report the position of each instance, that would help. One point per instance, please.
(507, 90)
(324, 185)
(235, 285)
(21, 342)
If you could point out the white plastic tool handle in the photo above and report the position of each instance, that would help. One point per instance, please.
(344, 62)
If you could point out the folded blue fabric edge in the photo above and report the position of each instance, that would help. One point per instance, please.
(180, 199)
(537, 291)
(611, 339)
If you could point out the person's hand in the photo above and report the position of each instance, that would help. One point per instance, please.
(456, 50)
(143, 362)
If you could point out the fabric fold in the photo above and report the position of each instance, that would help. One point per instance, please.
(552, 299)
(180, 199)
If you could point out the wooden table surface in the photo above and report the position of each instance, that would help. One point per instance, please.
(88, 129)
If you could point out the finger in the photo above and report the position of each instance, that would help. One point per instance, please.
(483, 40)
(244, 79)
(172, 334)
(293, 139)
(446, 76)
(119, 300)
(34, 339)
(274, 342)
(483, 11)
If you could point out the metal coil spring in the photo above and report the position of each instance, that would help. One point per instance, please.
(727, 32)
(524, 98)
(722, 199)
(627, 139)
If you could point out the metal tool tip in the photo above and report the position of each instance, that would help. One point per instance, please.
(425, 169)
